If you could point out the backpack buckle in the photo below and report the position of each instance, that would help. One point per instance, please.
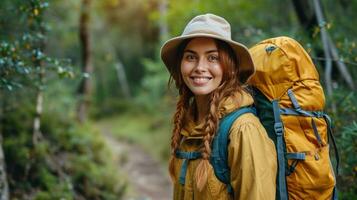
(270, 49)
(278, 127)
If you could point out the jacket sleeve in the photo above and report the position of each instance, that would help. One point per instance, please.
(252, 160)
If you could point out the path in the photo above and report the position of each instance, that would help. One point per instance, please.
(146, 176)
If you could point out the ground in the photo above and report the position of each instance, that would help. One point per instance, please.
(147, 178)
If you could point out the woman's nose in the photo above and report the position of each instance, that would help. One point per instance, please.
(201, 65)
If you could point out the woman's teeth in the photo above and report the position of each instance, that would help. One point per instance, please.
(200, 80)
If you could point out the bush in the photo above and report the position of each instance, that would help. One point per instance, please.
(347, 143)
(70, 162)
(345, 131)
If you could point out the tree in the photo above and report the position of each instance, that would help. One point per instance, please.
(84, 90)
(4, 186)
(23, 65)
(310, 15)
(37, 27)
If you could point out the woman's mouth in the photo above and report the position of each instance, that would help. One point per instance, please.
(200, 80)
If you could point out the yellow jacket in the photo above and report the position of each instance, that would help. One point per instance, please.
(251, 158)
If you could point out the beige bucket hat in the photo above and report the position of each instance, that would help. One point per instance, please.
(213, 26)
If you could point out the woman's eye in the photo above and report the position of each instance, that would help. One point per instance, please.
(213, 58)
(190, 57)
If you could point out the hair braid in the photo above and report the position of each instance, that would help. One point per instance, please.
(230, 85)
(181, 109)
(210, 129)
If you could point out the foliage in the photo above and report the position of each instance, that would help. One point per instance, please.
(347, 144)
(152, 134)
(35, 34)
(154, 87)
(69, 163)
(21, 59)
(249, 22)
(131, 33)
(345, 131)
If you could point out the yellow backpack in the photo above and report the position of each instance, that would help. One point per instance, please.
(290, 103)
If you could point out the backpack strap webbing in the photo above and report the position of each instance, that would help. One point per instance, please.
(298, 111)
(332, 137)
(187, 156)
(279, 130)
(318, 114)
(334, 196)
(219, 155)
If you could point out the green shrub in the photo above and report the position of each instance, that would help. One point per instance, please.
(345, 131)
(70, 162)
(347, 143)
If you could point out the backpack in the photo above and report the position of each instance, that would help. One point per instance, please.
(288, 101)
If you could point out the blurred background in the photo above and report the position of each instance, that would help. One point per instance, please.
(85, 109)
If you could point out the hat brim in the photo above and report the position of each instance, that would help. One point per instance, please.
(245, 62)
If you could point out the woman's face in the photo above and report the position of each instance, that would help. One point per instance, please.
(201, 69)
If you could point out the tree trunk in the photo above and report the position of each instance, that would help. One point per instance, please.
(310, 15)
(123, 83)
(84, 90)
(4, 186)
(306, 14)
(340, 64)
(38, 63)
(327, 53)
(37, 135)
(164, 30)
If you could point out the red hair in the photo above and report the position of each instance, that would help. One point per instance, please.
(230, 84)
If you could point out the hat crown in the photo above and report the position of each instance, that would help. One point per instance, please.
(208, 24)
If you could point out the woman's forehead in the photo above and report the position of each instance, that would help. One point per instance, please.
(201, 44)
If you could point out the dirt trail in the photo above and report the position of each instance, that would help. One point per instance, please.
(146, 176)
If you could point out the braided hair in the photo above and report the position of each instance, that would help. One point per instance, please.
(229, 85)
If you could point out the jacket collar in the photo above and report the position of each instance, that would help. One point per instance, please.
(193, 130)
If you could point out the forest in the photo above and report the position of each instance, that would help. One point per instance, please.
(81, 80)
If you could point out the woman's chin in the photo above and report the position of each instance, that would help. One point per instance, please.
(201, 92)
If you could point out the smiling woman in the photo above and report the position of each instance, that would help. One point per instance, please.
(210, 71)
(200, 66)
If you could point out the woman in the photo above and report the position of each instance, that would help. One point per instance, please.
(210, 70)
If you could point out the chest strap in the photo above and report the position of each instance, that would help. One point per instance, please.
(186, 156)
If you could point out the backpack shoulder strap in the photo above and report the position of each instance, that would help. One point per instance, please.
(219, 155)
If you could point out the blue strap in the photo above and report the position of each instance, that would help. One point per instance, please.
(290, 111)
(297, 109)
(219, 155)
(334, 196)
(190, 155)
(230, 189)
(292, 167)
(296, 156)
(331, 136)
(186, 156)
(293, 99)
(278, 128)
(182, 178)
(317, 135)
